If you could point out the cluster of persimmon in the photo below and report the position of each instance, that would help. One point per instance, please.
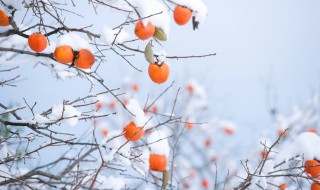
(159, 72)
(82, 59)
(133, 133)
(312, 167)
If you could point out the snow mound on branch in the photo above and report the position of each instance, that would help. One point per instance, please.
(146, 8)
(162, 56)
(116, 144)
(66, 111)
(139, 119)
(111, 182)
(158, 142)
(199, 9)
(108, 36)
(40, 119)
(75, 41)
(306, 144)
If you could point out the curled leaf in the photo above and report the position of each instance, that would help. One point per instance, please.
(148, 53)
(160, 34)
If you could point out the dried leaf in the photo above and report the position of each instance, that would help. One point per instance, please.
(148, 53)
(160, 34)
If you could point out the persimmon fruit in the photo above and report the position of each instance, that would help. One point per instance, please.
(283, 186)
(104, 132)
(182, 15)
(132, 132)
(63, 54)
(205, 183)
(37, 42)
(144, 32)
(158, 162)
(84, 59)
(159, 73)
(4, 20)
(315, 186)
(312, 167)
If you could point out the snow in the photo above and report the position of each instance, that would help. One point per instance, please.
(108, 35)
(162, 56)
(74, 40)
(66, 111)
(158, 142)
(40, 119)
(113, 142)
(139, 119)
(111, 182)
(151, 7)
(306, 144)
(199, 9)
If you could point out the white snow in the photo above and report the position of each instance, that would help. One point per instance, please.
(158, 143)
(306, 144)
(114, 141)
(40, 119)
(74, 40)
(162, 56)
(66, 111)
(111, 182)
(151, 7)
(108, 35)
(139, 119)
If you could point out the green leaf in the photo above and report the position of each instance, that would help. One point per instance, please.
(148, 53)
(160, 34)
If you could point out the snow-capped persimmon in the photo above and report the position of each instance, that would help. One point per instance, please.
(182, 15)
(4, 20)
(37, 42)
(132, 132)
(158, 162)
(315, 186)
(205, 183)
(312, 167)
(159, 73)
(283, 186)
(85, 59)
(63, 54)
(144, 32)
